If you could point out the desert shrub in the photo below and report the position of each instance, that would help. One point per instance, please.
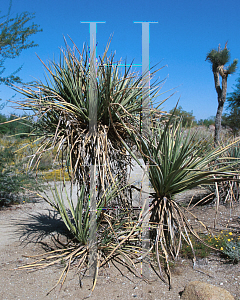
(17, 126)
(187, 118)
(230, 247)
(226, 243)
(45, 163)
(228, 191)
(55, 175)
(14, 179)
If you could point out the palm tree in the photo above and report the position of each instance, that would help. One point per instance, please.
(219, 58)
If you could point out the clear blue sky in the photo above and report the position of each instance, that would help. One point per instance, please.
(186, 31)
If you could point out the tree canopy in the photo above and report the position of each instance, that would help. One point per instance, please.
(232, 117)
(232, 120)
(187, 117)
(20, 127)
(207, 122)
(233, 100)
(14, 38)
(219, 58)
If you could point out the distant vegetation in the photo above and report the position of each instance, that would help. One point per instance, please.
(19, 128)
(15, 177)
(207, 122)
(188, 119)
(232, 117)
(230, 120)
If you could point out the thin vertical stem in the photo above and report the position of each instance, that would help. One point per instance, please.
(145, 130)
(93, 134)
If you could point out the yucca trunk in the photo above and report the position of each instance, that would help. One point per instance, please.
(110, 160)
(164, 223)
(222, 94)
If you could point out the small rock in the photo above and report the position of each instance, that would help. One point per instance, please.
(197, 290)
(201, 261)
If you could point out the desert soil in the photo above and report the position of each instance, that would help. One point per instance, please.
(25, 227)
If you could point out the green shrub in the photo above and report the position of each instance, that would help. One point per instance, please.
(227, 243)
(14, 179)
(231, 247)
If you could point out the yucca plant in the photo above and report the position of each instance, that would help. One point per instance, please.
(74, 215)
(117, 238)
(228, 191)
(62, 109)
(177, 162)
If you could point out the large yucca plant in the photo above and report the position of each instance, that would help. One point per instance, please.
(62, 109)
(178, 161)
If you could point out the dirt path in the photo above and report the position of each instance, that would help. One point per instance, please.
(23, 227)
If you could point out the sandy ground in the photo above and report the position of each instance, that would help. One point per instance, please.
(24, 227)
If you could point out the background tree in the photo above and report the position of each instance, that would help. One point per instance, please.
(14, 38)
(233, 100)
(186, 117)
(207, 122)
(232, 118)
(3, 125)
(20, 128)
(219, 58)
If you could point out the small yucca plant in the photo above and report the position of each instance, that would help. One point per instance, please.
(74, 215)
(228, 191)
(116, 237)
